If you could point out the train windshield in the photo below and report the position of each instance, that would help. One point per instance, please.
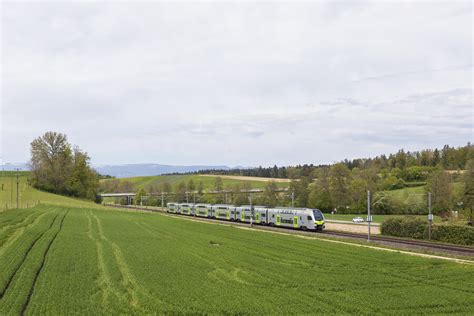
(318, 216)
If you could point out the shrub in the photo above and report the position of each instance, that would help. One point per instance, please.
(456, 234)
(418, 228)
(405, 227)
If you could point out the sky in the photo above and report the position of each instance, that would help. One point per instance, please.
(236, 83)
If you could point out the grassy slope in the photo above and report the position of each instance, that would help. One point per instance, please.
(208, 181)
(30, 196)
(104, 261)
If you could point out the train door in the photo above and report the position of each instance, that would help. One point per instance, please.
(295, 222)
(257, 217)
(278, 221)
(242, 215)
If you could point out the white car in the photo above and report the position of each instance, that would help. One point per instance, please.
(358, 220)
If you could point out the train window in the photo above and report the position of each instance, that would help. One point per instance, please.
(263, 214)
(309, 218)
(300, 218)
(273, 215)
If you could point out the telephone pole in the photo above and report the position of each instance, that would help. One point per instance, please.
(430, 216)
(17, 188)
(369, 217)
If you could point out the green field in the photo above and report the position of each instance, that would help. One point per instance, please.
(29, 196)
(208, 181)
(61, 260)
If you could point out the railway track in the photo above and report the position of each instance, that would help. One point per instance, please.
(466, 250)
(419, 244)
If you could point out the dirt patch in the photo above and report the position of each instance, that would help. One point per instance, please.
(361, 229)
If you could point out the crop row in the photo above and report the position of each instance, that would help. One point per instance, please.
(25, 262)
(108, 262)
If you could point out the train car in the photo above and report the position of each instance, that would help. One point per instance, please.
(261, 215)
(299, 218)
(244, 214)
(172, 207)
(203, 210)
(186, 208)
(222, 211)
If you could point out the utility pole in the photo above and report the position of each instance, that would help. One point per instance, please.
(293, 199)
(11, 190)
(369, 217)
(17, 188)
(430, 216)
(251, 210)
(162, 201)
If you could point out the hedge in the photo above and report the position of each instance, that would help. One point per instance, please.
(418, 228)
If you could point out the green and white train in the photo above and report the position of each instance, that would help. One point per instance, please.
(297, 218)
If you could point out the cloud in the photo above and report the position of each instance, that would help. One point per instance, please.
(236, 83)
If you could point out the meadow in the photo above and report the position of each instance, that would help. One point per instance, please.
(62, 260)
(208, 181)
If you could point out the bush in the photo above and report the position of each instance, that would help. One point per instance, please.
(456, 234)
(405, 227)
(418, 228)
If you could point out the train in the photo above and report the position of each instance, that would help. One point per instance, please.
(296, 218)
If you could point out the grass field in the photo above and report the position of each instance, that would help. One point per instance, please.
(29, 196)
(63, 260)
(207, 180)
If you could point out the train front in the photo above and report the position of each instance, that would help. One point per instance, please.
(319, 221)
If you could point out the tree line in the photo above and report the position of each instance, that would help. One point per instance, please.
(448, 158)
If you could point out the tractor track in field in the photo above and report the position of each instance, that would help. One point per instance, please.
(10, 279)
(38, 272)
(383, 240)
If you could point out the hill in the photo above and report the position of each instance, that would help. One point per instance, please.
(208, 181)
(29, 196)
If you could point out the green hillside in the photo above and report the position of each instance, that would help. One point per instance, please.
(208, 181)
(29, 196)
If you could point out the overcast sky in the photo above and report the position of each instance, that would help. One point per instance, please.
(237, 83)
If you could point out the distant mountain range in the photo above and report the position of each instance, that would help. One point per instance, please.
(14, 166)
(130, 170)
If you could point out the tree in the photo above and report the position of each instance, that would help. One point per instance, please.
(51, 162)
(270, 196)
(439, 184)
(139, 196)
(468, 179)
(319, 196)
(191, 185)
(83, 181)
(181, 191)
(339, 179)
(218, 185)
(200, 188)
(56, 168)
